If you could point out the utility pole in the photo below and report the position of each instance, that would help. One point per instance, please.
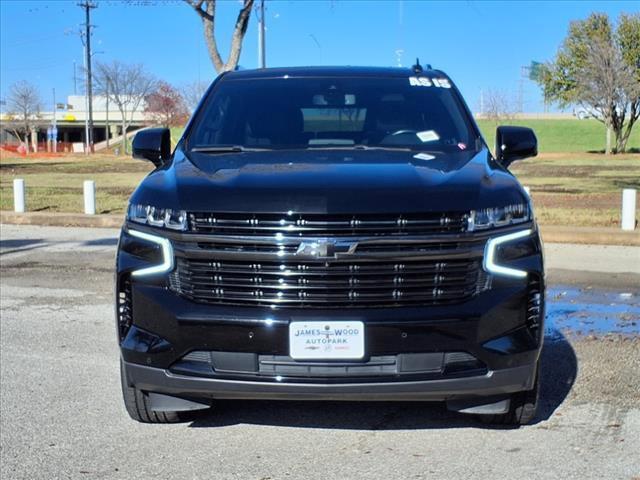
(399, 51)
(524, 73)
(75, 74)
(54, 130)
(86, 105)
(88, 6)
(107, 113)
(262, 60)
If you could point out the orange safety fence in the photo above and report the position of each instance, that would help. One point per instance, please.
(62, 148)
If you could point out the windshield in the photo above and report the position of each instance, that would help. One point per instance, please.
(419, 113)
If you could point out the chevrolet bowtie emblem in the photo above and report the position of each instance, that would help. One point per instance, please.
(326, 248)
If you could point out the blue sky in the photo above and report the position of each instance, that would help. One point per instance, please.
(481, 45)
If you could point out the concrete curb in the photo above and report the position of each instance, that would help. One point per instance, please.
(51, 219)
(550, 233)
(589, 235)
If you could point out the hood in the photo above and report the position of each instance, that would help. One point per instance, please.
(331, 181)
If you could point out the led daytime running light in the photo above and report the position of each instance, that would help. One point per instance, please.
(490, 255)
(167, 254)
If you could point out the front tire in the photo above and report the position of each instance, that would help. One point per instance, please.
(137, 405)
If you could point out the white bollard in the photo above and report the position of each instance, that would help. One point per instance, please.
(89, 197)
(18, 195)
(629, 209)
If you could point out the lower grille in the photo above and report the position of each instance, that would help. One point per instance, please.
(534, 306)
(124, 308)
(273, 366)
(325, 284)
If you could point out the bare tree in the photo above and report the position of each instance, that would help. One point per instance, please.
(165, 106)
(498, 107)
(23, 105)
(126, 85)
(206, 10)
(193, 92)
(608, 84)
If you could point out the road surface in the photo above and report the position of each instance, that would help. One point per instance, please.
(61, 414)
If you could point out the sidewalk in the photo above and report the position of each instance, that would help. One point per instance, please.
(550, 233)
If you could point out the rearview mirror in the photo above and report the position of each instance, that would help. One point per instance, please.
(153, 144)
(515, 143)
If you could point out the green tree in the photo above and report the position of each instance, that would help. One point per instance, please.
(598, 66)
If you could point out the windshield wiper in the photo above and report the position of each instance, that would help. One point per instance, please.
(358, 146)
(381, 147)
(226, 149)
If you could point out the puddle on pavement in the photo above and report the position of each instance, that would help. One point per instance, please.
(585, 311)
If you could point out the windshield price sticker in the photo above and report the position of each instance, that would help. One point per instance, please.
(326, 340)
(429, 82)
(428, 136)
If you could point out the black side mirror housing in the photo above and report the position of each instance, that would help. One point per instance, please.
(153, 144)
(515, 143)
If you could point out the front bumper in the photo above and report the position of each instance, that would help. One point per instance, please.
(491, 327)
(499, 382)
(495, 327)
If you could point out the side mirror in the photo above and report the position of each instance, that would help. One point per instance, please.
(515, 143)
(153, 144)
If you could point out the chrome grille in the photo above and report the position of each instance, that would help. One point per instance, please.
(327, 284)
(327, 225)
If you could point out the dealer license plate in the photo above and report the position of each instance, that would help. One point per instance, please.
(326, 340)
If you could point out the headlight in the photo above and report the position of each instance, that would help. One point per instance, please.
(158, 217)
(491, 248)
(499, 217)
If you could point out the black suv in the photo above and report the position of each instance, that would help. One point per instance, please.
(331, 233)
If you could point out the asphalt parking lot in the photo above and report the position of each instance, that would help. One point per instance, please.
(61, 413)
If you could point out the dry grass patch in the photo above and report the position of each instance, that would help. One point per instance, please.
(567, 188)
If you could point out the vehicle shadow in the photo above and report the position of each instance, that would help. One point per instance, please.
(101, 242)
(628, 150)
(559, 370)
(20, 245)
(10, 246)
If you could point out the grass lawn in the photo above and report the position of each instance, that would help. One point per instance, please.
(55, 184)
(568, 188)
(580, 189)
(563, 135)
(557, 135)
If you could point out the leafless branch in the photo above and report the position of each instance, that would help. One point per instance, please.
(498, 106)
(193, 92)
(23, 105)
(126, 85)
